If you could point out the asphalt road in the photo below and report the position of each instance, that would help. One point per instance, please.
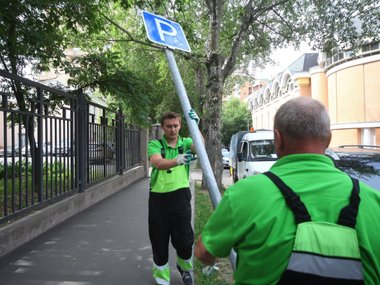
(196, 174)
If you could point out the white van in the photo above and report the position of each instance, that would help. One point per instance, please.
(251, 153)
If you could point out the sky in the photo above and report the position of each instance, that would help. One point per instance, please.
(283, 57)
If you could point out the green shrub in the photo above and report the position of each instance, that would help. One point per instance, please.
(18, 168)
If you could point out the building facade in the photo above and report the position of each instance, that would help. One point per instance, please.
(348, 86)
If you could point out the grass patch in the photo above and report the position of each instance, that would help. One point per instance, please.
(203, 210)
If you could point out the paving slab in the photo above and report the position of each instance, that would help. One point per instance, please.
(107, 244)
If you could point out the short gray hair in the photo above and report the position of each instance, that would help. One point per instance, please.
(303, 117)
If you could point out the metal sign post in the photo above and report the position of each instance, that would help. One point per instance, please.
(194, 130)
(170, 34)
(165, 32)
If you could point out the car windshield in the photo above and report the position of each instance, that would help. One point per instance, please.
(263, 149)
(361, 164)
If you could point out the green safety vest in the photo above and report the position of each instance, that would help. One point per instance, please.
(323, 253)
(172, 179)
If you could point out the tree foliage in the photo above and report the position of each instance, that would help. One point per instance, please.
(150, 91)
(228, 34)
(36, 34)
(37, 31)
(333, 25)
(235, 117)
(224, 35)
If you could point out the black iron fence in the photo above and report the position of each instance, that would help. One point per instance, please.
(54, 144)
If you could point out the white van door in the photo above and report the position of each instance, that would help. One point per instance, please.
(243, 166)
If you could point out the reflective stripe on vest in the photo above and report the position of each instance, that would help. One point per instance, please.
(338, 268)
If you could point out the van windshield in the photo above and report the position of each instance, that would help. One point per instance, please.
(263, 149)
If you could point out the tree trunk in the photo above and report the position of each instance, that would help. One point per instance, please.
(214, 90)
(29, 125)
(19, 93)
(212, 111)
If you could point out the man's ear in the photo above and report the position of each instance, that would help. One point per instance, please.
(328, 140)
(278, 140)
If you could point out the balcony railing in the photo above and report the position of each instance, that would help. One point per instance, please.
(344, 56)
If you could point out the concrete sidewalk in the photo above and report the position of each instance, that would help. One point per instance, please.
(107, 244)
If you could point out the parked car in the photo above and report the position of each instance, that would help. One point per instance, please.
(99, 152)
(47, 148)
(10, 151)
(226, 158)
(25, 151)
(359, 161)
(62, 148)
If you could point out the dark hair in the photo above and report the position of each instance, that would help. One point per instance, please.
(303, 117)
(170, 115)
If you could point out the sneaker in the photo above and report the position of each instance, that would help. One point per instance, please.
(187, 276)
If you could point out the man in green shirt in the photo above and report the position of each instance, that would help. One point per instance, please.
(169, 200)
(254, 219)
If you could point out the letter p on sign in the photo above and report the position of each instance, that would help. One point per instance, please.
(165, 32)
(160, 24)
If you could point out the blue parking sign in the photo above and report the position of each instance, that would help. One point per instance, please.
(165, 32)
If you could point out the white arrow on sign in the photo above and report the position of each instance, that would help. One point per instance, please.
(165, 32)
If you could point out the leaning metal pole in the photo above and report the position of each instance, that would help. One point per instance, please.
(196, 136)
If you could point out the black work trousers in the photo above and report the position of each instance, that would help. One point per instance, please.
(170, 218)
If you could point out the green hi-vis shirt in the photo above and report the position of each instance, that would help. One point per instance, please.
(163, 181)
(253, 218)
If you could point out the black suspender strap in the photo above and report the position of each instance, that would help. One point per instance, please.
(348, 214)
(162, 148)
(180, 148)
(293, 201)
